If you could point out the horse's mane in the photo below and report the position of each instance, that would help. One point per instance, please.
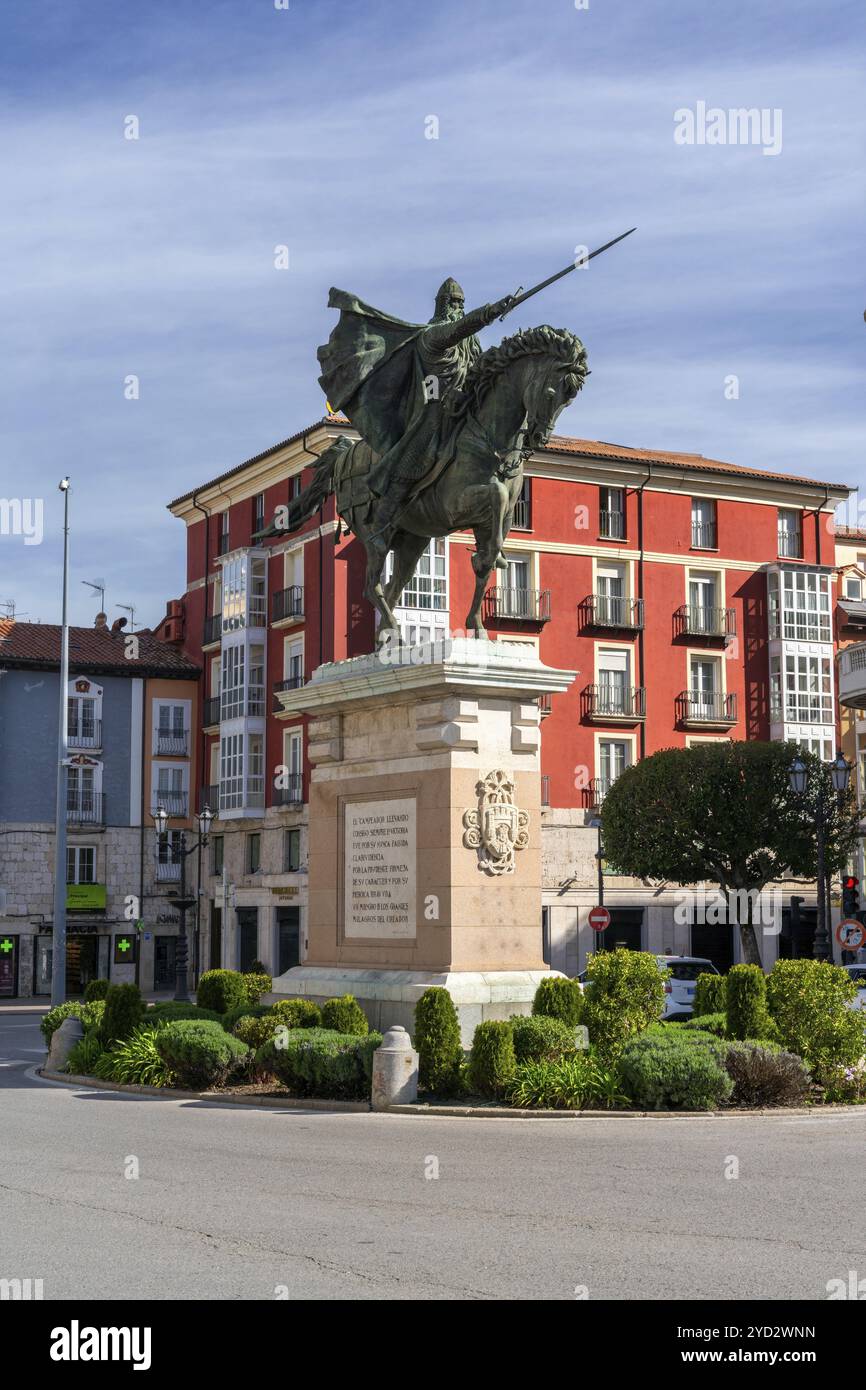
(555, 342)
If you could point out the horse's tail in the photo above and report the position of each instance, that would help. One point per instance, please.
(301, 508)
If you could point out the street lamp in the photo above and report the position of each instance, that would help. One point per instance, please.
(840, 776)
(181, 902)
(595, 824)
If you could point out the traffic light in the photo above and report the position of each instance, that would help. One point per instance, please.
(850, 896)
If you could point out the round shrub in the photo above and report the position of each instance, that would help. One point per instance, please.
(319, 1062)
(492, 1062)
(255, 1032)
(172, 1009)
(540, 1037)
(136, 1060)
(96, 989)
(345, 1015)
(559, 998)
(229, 1020)
(746, 1002)
(808, 1001)
(762, 1076)
(685, 1072)
(123, 1012)
(708, 1023)
(710, 993)
(200, 1054)
(437, 1042)
(256, 983)
(84, 1056)
(624, 994)
(298, 1013)
(221, 990)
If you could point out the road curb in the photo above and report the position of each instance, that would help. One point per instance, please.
(212, 1097)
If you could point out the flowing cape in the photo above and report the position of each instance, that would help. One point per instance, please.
(371, 370)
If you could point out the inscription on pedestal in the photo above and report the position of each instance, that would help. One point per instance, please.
(379, 870)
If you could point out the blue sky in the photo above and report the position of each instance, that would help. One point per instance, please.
(306, 127)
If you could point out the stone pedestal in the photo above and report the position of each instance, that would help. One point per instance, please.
(424, 829)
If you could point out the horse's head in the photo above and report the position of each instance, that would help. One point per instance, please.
(556, 372)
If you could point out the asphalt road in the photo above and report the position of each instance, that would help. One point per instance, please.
(254, 1204)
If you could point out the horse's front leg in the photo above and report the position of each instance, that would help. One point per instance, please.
(488, 540)
(375, 594)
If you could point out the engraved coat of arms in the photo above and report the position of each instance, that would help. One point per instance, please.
(497, 828)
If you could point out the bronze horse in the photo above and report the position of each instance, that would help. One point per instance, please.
(508, 406)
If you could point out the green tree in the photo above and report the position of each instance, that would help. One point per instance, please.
(724, 812)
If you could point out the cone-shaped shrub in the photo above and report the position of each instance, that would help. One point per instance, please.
(559, 998)
(746, 1007)
(492, 1064)
(345, 1015)
(709, 994)
(437, 1042)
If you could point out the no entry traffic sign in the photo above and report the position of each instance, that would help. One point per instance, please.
(599, 919)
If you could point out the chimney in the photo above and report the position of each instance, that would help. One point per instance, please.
(101, 621)
(118, 625)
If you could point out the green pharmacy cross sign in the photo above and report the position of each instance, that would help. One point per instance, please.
(6, 945)
(124, 945)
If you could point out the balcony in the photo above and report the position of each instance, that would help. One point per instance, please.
(597, 791)
(790, 545)
(612, 611)
(89, 736)
(704, 535)
(211, 711)
(706, 709)
(288, 604)
(213, 627)
(517, 605)
(84, 807)
(173, 802)
(700, 620)
(611, 526)
(171, 743)
(289, 683)
(852, 676)
(292, 794)
(614, 704)
(237, 702)
(168, 871)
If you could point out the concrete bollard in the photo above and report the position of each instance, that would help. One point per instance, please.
(395, 1070)
(64, 1039)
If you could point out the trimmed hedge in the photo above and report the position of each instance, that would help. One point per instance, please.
(437, 1042)
(171, 1010)
(541, 1037)
(298, 1013)
(684, 1071)
(492, 1063)
(200, 1054)
(559, 998)
(708, 1023)
(320, 1062)
(808, 1001)
(255, 1032)
(345, 1015)
(624, 994)
(229, 1020)
(97, 989)
(221, 990)
(746, 1002)
(710, 992)
(124, 1011)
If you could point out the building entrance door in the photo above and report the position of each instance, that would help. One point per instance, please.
(288, 938)
(164, 962)
(248, 931)
(82, 963)
(8, 966)
(215, 958)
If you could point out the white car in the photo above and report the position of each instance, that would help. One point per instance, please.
(858, 975)
(680, 987)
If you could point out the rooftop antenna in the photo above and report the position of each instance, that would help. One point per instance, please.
(98, 587)
(9, 605)
(130, 609)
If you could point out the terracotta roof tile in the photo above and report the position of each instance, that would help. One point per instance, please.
(91, 650)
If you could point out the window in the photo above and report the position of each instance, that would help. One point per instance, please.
(799, 605)
(258, 591)
(170, 790)
(428, 587)
(295, 486)
(790, 535)
(253, 853)
(223, 540)
(614, 756)
(234, 592)
(806, 697)
(704, 529)
(702, 603)
(256, 691)
(256, 775)
(232, 684)
(853, 588)
(231, 771)
(292, 851)
(293, 663)
(217, 854)
(169, 855)
(611, 513)
(258, 512)
(613, 681)
(80, 864)
(171, 720)
(522, 517)
(611, 606)
(81, 719)
(81, 790)
(705, 688)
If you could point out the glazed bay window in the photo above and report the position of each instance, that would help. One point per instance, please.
(428, 587)
(799, 605)
(790, 533)
(80, 864)
(704, 524)
(614, 756)
(801, 690)
(258, 591)
(232, 682)
(611, 513)
(231, 772)
(256, 691)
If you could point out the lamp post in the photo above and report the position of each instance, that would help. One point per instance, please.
(181, 901)
(595, 824)
(840, 776)
(58, 927)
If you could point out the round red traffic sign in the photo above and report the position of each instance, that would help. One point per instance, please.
(851, 934)
(599, 919)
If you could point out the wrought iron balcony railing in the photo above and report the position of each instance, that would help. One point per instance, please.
(611, 525)
(701, 620)
(790, 545)
(213, 627)
(170, 743)
(211, 711)
(704, 535)
(292, 794)
(88, 736)
(706, 707)
(174, 803)
(517, 605)
(615, 702)
(287, 603)
(613, 610)
(85, 807)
